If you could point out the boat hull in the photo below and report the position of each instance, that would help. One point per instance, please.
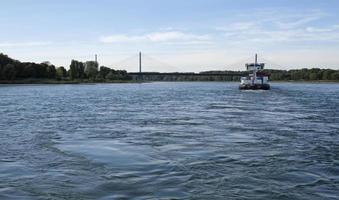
(254, 87)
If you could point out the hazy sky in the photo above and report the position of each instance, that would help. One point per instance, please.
(184, 35)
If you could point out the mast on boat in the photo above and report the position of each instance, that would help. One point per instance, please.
(255, 69)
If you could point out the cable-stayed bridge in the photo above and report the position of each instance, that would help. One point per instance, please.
(147, 67)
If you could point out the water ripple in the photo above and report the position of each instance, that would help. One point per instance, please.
(169, 141)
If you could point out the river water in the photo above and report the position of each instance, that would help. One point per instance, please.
(169, 141)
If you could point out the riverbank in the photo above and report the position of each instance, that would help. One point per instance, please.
(86, 81)
(307, 81)
(53, 81)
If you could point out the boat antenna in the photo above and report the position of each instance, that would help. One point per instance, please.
(255, 69)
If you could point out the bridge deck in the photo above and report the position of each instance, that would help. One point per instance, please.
(184, 74)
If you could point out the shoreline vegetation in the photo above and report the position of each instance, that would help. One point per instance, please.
(15, 72)
(75, 82)
(54, 81)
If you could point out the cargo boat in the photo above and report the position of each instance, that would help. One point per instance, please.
(257, 78)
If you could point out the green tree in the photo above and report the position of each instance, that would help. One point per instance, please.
(296, 75)
(8, 72)
(77, 70)
(29, 71)
(326, 75)
(335, 76)
(73, 70)
(4, 60)
(1, 77)
(91, 69)
(51, 71)
(104, 71)
(110, 76)
(313, 76)
(61, 73)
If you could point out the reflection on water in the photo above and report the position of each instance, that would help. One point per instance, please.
(169, 141)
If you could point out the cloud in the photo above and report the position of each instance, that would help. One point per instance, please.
(238, 26)
(297, 35)
(285, 27)
(25, 44)
(175, 36)
(120, 38)
(285, 19)
(164, 36)
(333, 28)
(295, 21)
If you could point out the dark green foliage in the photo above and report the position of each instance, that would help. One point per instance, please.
(104, 71)
(8, 71)
(326, 74)
(51, 72)
(314, 74)
(4, 60)
(11, 69)
(91, 69)
(61, 73)
(335, 75)
(76, 70)
(116, 74)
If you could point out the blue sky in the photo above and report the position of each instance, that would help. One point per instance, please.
(187, 35)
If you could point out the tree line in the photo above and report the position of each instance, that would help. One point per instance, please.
(189, 76)
(11, 69)
(314, 74)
